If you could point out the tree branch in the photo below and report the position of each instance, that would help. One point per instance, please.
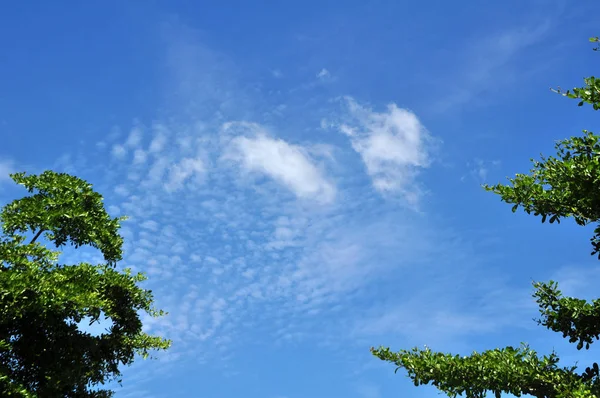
(37, 236)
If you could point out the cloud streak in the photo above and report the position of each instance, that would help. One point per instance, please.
(488, 62)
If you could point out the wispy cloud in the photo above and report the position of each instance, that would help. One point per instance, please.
(394, 146)
(264, 231)
(119, 151)
(247, 235)
(180, 172)
(486, 63)
(440, 316)
(479, 169)
(324, 74)
(135, 137)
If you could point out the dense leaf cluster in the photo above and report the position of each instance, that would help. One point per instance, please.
(562, 186)
(577, 319)
(43, 352)
(509, 370)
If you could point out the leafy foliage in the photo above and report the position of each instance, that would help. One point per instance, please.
(576, 319)
(66, 209)
(563, 186)
(508, 370)
(42, 350)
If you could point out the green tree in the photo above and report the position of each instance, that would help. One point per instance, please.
(563, 186)
(43, 352)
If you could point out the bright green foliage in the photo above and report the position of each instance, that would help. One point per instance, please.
(508, 370)
(563, 186)
(576, 319)
(42, 351)
(567, 185)
(66, 209)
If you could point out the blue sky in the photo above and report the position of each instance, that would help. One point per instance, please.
(303, 178)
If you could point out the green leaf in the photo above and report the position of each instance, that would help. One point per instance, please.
(43, 353)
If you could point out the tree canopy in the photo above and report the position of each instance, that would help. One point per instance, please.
(566, 185)
(43, 351)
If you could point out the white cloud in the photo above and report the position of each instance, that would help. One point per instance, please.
(139, 156)
(182, 171)
(157, 171)
(232, 265)
(226, 261)
(288, 164)
(135, 138)
(323, 74)
(121, 190)
(119, 151)
(159, 140)
(394, 146)
(479, 169)
(150, 224)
